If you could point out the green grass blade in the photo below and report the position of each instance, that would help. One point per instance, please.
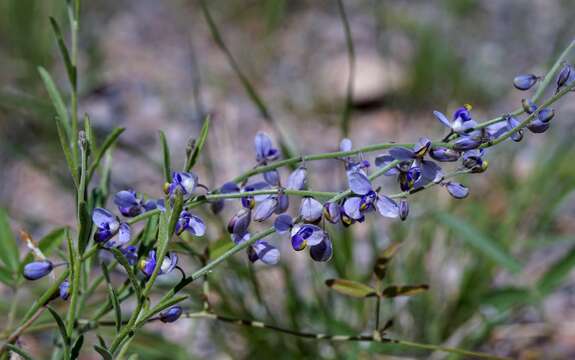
(57, 101)
(166, 154)
(70, 69)
(199, 145)
(9, 254)
(556, 273)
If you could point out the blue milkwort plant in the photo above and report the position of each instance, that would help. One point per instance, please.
(259, 195)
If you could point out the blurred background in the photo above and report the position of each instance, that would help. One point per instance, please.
(147, 65)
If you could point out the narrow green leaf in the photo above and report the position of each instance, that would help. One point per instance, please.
(8, 247)
(175, 213)
(108, 142)
(116, 305)
(406, 290)
(102, 341)
(61, 326)
(19, 351)
(199, 144)
(166, 154)
(75, 352)
(57, 101)
(89, 135)
(103, 352)
(6, 276)
(85, 226)
(64, 143)
(480, 242)
(557, 273)
(70, 69)
(124, 262)
(105, 273)
(504, 298)
(351, 288)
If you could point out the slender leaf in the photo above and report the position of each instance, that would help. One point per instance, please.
(61, 326)
(166, 155)
(505, 298)
(85, 222)
(57, 101)
(406, 290)
(557, 273)
(64, 143)
(480, 242)
(122, 260)
(199, 145)
(70, 69)
(75, 352)
(6, 276)
(23, 354)
(380, 267)
(103, 352)
(116, 305)
(351, 288)
(9, 254)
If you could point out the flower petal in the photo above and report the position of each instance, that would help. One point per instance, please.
(442, 118)
(310, 209)
(387, 207)
(283, 223)
(358, 182)
(104, 219)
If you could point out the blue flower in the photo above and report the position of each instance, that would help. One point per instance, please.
(473, 160)
(147, 265)
(129, 203)
(265, 209)
(64, 290)
(218, 205)
(310, 210)
(306, 234)
(272, 177)
(512, 123)
(131, 254)
(331, 212)
(565, 77)
(456, 190)
(462, 121)
(249, 201)
(190, 222)
(37, 269)
(302, 235)
(297, 179)
(186, 182)
(264, 148)
(443, 154)
(107, 226)
(525, 81)
(240, 222)
(263, 251)
(171, 315)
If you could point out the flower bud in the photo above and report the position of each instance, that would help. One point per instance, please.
(466, 143)
(403, 209)
(537, 126)
(310, 209)
(171, 315)
(297, 179)
(525, 81)
(545, 115)
(64, 290)
(240, 222)
(564, 75)
(444, 154)
(331, 212)
(322, 251)
(265, 209)
(528, 106)
(37, 269)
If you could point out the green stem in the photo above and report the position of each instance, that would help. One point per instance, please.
(346, 114)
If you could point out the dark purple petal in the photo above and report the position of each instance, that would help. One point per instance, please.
(537, 126)
(401, 153)
(444, 154)
(403, 209)
(385, 160)
(387, 207)
(229, 187)
(322, 251)
(524, 81)
(37, 269)
(457, 190)
(358, 182)
(128, 203)
(442, 118)
(171, 315)
(466, 143)
(564, 75)
(283, 223)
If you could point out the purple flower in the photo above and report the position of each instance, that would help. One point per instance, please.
(240, 222)
(331, 212)
(466, 143)
(403, 209)
(473, 160)
(443, 154)
(283, 223)
(171, 315)
(525, 81)
(545, 115)
(322, 251)
(297, 179)
(264, 149)
(190, 222)
(147, 265)
(566, 76)
(310, 209)
(306, 234)
(37, 269)
(456, 190)
(129, 203)
(107, 225)
(229, 187)
(263, 251)
(387, 207)
(64, 290)
(462, 121)
(186, 182)
(528, 106)
(249, 201)
(265, 209)
(131, 254)
(272, 177)
(512, 123)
